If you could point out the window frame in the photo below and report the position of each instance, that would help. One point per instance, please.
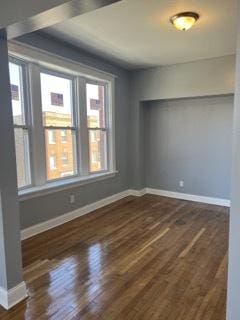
(73, 127)
(41, 61)
(105, 129)
(26, 110)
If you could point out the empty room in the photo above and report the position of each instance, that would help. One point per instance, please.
(119, 161)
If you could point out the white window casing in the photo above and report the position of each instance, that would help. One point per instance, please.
(36, 61)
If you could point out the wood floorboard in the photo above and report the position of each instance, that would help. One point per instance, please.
(146, 258)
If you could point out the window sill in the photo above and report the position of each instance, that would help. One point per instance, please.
(56, 186)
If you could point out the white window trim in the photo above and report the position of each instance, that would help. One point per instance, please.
(74, 125)
(26, 114)
(64, 184)
(106, 128)
(44, 59)
(57, 62)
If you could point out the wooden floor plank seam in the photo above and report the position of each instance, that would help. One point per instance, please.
(192, 243)
(151, 242)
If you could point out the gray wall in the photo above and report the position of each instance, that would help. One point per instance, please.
(189, 140)
(49, 206)
(194, 79)
(233, 305)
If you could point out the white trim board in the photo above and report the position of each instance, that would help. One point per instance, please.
(189, 197)
(52, 223)
(9, 298)
(136, 193)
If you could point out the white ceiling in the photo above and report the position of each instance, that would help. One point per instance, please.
(137, 33)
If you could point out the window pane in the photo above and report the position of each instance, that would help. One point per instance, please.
(51, 136)
(97, 150)
(56, 93)
(60, 156)
(64, 136)
(65, 158)
(17, 93)
(53, 162)
(95, 106)
(22, 157)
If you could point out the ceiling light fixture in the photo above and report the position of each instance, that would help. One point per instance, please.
(184, 20)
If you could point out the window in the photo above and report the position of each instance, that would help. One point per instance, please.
(63, 120)
(51, 136)
(58, 120)
(95, 156)
(53, 162)
(93, 136)
(57, 99)
(65, 158)
(97, 130)
(64, 136)
(21, 122)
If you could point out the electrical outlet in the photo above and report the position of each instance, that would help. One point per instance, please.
(72, 198)
(181, 183)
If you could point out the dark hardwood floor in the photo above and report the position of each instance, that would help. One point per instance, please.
(140, 258)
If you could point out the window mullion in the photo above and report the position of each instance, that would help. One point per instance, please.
(110, 124)
(59, 128)
(37, 129)
(83, 139)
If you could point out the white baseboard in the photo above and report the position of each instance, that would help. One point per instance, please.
(9, 298)
(189, 197)
(46, 225)
(137, 193)
(52, 223)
